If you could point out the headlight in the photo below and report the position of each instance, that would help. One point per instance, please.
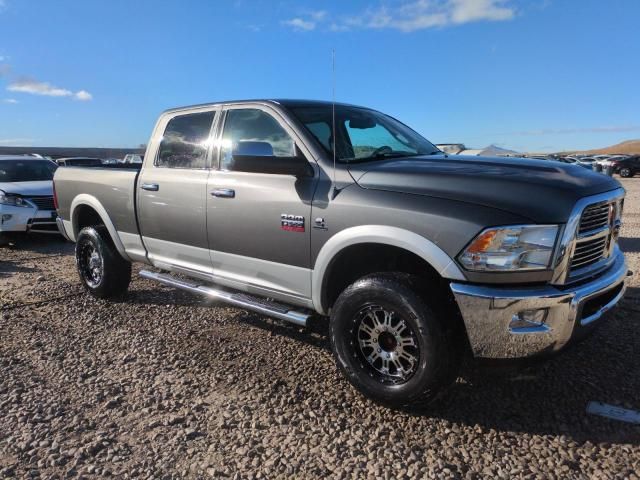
(13, 200)
(512, 248)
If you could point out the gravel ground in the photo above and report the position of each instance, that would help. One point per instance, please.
(163, 385)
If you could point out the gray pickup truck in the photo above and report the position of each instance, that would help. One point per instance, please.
(301, 208)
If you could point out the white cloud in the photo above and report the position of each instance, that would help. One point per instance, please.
(300, 24)
(83, 96)
(412, 15)
(35, 87)
(318, 15)
(464, 11)
(307, 22)
(10, 100)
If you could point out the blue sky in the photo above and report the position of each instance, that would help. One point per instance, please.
(537, 75)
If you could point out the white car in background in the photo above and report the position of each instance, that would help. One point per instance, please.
(133, 158)
(26, 196)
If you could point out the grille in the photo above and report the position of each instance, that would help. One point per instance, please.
(589, 252)
(592, 244)
(594, 217)
(43, 203)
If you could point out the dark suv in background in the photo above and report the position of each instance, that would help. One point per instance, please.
(626, 167)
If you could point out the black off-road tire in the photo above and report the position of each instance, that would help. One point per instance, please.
(626, 172)
(102, 270)
(438, 353)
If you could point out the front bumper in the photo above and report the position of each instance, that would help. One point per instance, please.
(25, 219)
(489, 313)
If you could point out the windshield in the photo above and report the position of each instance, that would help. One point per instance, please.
(362, 134)
(26, 170)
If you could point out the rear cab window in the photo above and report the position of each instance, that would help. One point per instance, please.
(185, 141)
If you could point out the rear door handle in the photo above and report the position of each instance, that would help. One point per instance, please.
(152, 187)
(223, 193)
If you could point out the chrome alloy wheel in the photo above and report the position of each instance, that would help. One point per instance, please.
(387, 343)
(90, 264)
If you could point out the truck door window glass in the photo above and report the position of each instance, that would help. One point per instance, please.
(252, 129)
(185, 140)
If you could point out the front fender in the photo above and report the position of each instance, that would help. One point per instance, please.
(385, 235)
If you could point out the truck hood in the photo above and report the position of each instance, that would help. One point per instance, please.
(26, 189)
(541, 190)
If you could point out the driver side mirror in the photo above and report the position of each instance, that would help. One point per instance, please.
(258, 157)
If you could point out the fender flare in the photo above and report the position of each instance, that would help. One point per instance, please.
(93, 202)
(385, 235)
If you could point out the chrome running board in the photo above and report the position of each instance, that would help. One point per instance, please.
(242, 300)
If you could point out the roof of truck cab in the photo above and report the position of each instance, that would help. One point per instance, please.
(289, 103)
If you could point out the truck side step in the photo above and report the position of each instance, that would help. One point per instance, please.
(242, 300)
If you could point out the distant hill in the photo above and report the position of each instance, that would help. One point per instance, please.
(630, 146)
(495, 150)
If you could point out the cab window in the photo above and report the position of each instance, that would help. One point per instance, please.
(185, 140)
(252, 131)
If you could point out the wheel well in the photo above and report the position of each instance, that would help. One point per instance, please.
(85, 216)
(356, 261)
(362, 259)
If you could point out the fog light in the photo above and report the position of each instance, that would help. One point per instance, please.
(6, 217)
(529, 321)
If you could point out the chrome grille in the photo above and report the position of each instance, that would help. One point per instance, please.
(589, 252)
(595, 217)
(594, 235)
(43, 203)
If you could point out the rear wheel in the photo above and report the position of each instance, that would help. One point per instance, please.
(626, 172)
(389, 343)
(103, 272)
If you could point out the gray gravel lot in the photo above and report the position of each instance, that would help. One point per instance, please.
(162, 385)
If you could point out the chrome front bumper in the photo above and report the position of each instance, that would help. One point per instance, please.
(489, 313)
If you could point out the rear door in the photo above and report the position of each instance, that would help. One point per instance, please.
(172, 193)
(258, 223)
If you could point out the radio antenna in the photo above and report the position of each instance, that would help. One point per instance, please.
(333, 117)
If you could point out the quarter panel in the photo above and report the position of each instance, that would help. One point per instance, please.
(113, 188)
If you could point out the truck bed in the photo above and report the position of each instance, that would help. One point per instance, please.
(113, 186)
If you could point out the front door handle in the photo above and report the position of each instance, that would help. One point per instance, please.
(223, 193)
(152, 187)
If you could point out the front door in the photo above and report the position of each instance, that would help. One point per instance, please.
(258, 223)
(172, 194)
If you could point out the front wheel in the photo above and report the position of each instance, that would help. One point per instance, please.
(103, 272)
(626, 172)
(389, 343)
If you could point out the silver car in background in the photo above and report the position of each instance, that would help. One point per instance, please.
(26, 196)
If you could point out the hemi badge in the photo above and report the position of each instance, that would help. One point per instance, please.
(292, 223)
